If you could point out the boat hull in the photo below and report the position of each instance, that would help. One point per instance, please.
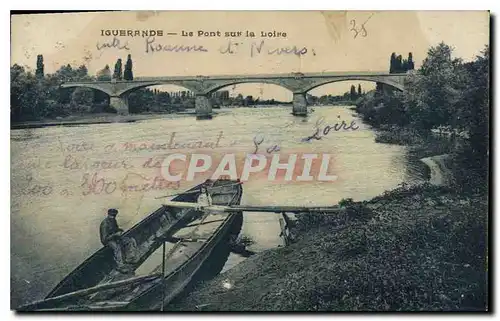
(183, 269)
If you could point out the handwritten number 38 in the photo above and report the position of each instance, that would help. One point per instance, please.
(358, 30)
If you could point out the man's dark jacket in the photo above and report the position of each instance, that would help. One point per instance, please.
(109, 226)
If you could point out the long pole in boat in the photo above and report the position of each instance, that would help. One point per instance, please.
(249, 208)
(163, 276)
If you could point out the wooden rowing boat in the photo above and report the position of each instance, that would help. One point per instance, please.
(189, 235)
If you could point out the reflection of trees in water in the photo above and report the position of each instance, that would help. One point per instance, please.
(25, 134)
(245, 240)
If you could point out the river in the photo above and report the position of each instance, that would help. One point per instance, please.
(56, 209)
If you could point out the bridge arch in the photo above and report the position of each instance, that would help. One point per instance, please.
(388, 82)
(247, 81)
(88, 85)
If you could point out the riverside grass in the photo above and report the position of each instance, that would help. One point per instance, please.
(420, 248)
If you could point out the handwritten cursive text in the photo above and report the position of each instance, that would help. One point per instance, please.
(322, 131)
(152, 46)
(115, 43)
(258, 48)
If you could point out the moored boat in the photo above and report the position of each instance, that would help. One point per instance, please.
(173, 243)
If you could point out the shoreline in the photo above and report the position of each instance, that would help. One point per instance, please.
(102, 118)
(408, 249)
(109, 118)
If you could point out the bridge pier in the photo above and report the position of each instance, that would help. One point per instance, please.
(299, 104)
(120, 104)
(203, 107)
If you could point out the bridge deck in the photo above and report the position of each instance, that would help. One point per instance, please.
(255, 76)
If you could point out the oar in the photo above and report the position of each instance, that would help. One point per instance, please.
(87, 291)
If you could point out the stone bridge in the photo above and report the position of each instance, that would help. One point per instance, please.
(203, 86)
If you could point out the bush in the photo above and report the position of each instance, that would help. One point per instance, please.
(398, 135)
(350, 212)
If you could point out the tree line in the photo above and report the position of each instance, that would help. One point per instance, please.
(38, 95)
(445, 94)
(347, 97)
(399, 65)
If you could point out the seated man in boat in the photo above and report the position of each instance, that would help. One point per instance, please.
(111, 235)
(204, 199)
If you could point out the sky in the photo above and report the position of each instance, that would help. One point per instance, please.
(335, 41)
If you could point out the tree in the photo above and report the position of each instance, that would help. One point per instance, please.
(434, 95)
(37, 95)
(17, 84)
(128, 73)
(411, 64)
(142, 100)
(398, 64)
(163, 98)
(82, 73)
(473, 116)
(359, 90)
(28, 95)
(117, 74)
(392, 63)
(66, 73)
(239, 100)
(404, 67)
(82, 99)
(248, 101)
(39, 73)
(353, 92)
(104, 74)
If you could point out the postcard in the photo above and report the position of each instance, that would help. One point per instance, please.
(250, 161)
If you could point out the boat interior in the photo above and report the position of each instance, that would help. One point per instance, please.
(184, 231)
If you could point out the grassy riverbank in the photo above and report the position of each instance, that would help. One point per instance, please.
(411, 249)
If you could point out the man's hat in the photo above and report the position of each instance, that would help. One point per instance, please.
(112, 212)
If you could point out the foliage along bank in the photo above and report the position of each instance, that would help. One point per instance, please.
(444, 94)
(37, 96)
